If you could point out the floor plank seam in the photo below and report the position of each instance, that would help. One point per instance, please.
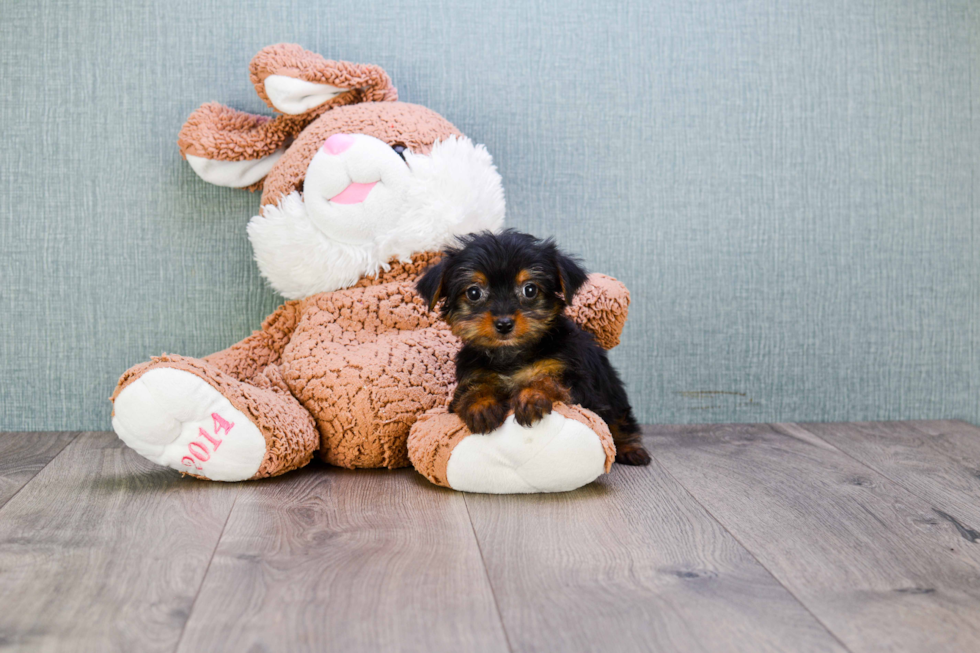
(486, 574)
(956, 523)
(204, 578)
(751, 553)
(38, 472)
(854, 498)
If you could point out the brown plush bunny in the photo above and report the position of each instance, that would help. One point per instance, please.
(360, 192)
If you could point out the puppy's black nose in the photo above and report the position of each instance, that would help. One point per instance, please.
(504, 325)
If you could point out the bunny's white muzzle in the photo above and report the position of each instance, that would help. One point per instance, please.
(363, 205)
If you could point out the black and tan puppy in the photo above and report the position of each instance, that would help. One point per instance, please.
(505, 296)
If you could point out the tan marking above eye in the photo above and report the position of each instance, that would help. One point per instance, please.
(523, 277)
(479, 278)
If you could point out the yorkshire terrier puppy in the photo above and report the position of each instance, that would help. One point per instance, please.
(504, 296)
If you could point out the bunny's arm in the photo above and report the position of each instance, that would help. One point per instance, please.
(600, 307)
(248, 358)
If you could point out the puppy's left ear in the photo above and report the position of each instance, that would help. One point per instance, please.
(430, 285)
(571, 276)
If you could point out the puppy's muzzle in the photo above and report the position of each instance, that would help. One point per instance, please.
(503, 325)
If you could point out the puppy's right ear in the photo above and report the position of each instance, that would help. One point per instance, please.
(571, 276)
(431, 284)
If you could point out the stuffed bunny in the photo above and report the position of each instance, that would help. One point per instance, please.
(359, 194)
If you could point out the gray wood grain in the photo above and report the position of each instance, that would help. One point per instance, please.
(870, 559)
(632, 563)
(737, 538)
(23, 455)
(104, 551)
(939, 461)
(367, 560)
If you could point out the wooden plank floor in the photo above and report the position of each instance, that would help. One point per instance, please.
(786, 537)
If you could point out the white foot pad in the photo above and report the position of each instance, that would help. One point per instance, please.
(554, 455)
(176, 419)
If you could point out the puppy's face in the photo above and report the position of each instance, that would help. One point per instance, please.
(503, 305)
(502, 290)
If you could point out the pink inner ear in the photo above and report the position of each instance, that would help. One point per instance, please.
(338, 143)
(353, 194)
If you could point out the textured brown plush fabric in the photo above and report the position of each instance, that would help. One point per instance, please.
(431, 442)
(252, 355)
(365, 362)
(601, 307)
(367, 83)
(402, 271)
(349, 372)
(436, 433)
(215, 131)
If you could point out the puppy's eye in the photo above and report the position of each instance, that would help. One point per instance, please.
(399, 150)
(530, 291)
(473, 293)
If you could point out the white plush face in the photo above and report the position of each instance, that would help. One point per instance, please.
(363, 205)
(355, 188)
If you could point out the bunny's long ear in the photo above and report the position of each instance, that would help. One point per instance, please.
(294, 81)
(232, 148)
(237, 149)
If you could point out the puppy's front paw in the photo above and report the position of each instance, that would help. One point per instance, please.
(632, 454)
(531, 405)
(483, 415)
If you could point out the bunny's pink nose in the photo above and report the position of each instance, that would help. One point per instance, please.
(338, 143)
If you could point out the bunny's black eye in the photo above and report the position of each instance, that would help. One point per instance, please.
(399, 150)
(530, 291)
(473, 293)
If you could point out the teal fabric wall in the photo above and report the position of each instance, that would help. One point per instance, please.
(789, 188)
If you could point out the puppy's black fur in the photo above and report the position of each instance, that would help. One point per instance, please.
(505, 296)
